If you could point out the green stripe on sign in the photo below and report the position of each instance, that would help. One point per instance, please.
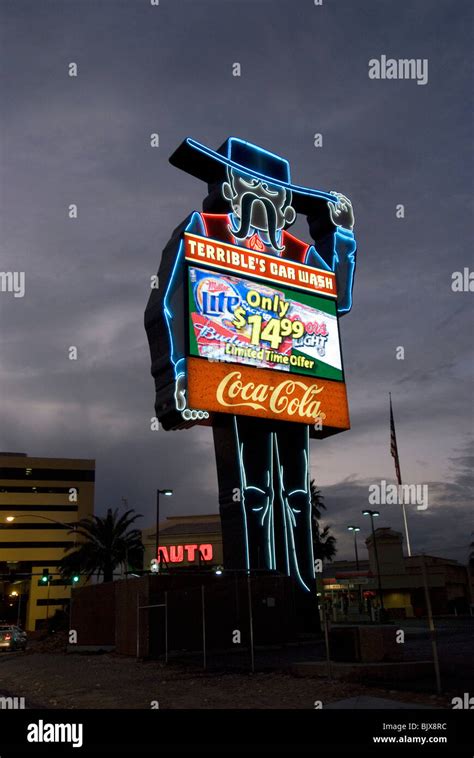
(313, 301)
(322, 370)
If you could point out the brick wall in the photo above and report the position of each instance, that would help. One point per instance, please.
(93, 614)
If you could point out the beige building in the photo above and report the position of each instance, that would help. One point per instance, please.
(40, 500)
(182, 538)
(401, 579)
(185, 541)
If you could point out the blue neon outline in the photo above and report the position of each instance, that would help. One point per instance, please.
(259, 150)
(345, 232)
(346, 236)
(310, 509)
(168, 314)
(287, 513)
(225, 160)
(280, 470)
(287, 508)
(268, 508)
(271, 527)
(242, 476)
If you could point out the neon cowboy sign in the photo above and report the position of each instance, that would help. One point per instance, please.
(243, 329)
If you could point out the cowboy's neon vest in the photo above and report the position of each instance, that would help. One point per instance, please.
(217, 227)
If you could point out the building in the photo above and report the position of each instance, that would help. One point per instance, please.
(40, 500)
(401, 578)
(185, 541)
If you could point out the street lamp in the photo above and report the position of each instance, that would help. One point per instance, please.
(37, 515)
(374, 514)
(45, 579)
(355, 529)
(167, 493)
(72, 527)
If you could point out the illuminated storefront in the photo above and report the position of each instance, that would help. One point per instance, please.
(185, 542)
(348, 587)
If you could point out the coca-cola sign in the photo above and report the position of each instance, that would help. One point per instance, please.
(248, 391)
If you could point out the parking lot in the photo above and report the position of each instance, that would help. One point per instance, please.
(48, 677)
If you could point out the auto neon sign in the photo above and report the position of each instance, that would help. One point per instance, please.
(181, 553)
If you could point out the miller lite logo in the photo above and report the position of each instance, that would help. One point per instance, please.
(215, 296)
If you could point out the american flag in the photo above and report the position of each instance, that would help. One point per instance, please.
(393, 444)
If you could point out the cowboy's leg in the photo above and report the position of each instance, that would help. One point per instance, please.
(255, 450)
(233, 520)
(293, 467)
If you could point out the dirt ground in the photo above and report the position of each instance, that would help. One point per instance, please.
(57, 680)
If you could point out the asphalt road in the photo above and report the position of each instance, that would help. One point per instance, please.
(56, 679)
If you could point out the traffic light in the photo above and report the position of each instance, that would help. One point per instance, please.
(75, 578)
(46, 578)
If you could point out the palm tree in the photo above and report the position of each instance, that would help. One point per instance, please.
(107, 543)
(324, 542)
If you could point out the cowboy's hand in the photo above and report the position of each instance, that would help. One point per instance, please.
(341, 211)
(189, 414)
(180, 392)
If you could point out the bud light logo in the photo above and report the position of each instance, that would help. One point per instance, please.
(215, 296)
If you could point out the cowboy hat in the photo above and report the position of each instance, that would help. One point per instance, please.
(210, 166)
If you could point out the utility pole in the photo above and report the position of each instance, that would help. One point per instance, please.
(168, 493)
(373, 514)
(434, 645)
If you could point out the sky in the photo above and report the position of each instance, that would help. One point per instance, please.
(167, 69)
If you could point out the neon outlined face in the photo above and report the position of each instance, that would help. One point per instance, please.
(259, 205)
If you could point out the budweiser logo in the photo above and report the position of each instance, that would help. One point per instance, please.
(290, 396)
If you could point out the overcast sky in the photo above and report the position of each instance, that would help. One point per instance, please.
(304, 70)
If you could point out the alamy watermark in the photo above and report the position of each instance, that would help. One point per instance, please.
(12, 703)
(42, 731)
(401, 68)
(399, 494)
(13, 281)
(466, 702)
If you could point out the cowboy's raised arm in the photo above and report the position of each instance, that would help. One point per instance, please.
(337, 250)
(342, 216)
(164, 321)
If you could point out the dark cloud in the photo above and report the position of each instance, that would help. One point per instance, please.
(443, 528)
(168, 70)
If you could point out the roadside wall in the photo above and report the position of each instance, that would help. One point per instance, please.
(93, 614)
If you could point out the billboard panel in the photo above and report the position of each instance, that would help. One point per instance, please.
(250, 391)
(238, 320)
(269, 268)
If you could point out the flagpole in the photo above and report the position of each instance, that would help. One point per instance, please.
(406, 529)
(394, 453)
